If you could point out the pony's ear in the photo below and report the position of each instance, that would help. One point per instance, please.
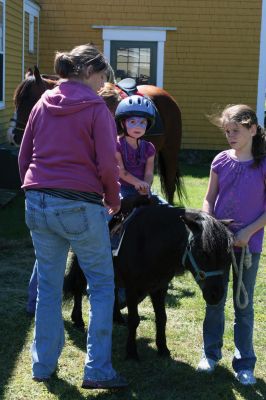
(226, 222)
(37, 74)
(191, 219)
(29, 72)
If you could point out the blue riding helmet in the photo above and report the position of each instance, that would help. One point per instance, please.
(135, 105)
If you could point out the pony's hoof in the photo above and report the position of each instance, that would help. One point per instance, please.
(132, 357)
(164, 353)
(120, 321)
(79, 327)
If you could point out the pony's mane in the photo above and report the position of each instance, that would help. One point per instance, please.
(215, 235)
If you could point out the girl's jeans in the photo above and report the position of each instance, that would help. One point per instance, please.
(213, 326)
(56, 224)
(128, 190)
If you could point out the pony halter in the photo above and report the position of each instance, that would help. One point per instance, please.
(200, 275)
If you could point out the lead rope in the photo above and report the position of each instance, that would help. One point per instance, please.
(246, 260)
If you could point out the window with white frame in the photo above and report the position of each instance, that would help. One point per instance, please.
(143, 43)
(137, 60)
(2, 52)
(32, 11)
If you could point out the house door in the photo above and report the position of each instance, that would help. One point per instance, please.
(135, 60)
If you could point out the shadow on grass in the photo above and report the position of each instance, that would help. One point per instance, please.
(12, 342)
(78, 337)
(16, 265)
(12, 218)
(174, 296)
(156, 378)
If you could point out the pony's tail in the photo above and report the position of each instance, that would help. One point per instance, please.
(74, 281)
(179, 187)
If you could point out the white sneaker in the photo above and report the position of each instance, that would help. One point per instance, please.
(206, 365)
(246, 377)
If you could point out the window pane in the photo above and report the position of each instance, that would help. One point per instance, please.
(121, 72)
(133, 55)
(145, 55)
(144, 69)
(1, 28)
(133, 70)
(31, 33)
(134, 61)
(1, 77)
(122, 55)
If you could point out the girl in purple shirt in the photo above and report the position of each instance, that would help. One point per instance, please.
(237, 191)
(135, 156)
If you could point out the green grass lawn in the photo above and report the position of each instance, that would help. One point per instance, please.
(153, 378)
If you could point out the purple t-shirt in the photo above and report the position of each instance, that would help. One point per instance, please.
(134, 160)
(241, 194)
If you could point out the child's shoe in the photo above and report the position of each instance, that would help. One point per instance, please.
(206, 365)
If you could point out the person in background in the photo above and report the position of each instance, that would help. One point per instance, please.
(236, 191)
(69, 173)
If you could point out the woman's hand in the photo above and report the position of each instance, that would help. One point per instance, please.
(111, 210)
(242, 238)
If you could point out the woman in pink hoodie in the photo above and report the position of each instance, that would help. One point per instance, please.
(69, 173)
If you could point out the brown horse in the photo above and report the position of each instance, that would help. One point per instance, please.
(25, 97)
(167, 143)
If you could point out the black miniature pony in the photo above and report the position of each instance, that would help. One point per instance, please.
(160, 242)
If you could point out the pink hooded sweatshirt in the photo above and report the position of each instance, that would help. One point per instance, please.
(70, 143)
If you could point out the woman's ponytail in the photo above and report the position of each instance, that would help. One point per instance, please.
(63, 65)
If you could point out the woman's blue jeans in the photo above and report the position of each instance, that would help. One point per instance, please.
(56, 224)
(32, 290)
(213, 326)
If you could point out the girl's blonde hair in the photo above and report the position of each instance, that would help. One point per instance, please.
(244, 115)
(74, 63)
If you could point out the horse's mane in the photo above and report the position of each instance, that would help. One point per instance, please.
(23, 88)
(215, 235)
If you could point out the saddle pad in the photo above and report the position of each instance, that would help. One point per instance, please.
(118, 235)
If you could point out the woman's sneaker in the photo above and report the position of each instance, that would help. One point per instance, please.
(206, 365)
(246, 377)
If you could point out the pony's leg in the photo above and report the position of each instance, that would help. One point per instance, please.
(76, 315)
(133, 323)
(117, 316)
(158, 302)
